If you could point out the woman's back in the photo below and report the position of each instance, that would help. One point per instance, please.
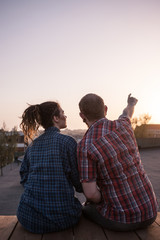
(48, 173)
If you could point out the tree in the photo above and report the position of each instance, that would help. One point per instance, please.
(2, 150)
(11, 144)
(8, 141)
(139, 125)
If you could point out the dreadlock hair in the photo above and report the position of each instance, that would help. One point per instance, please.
(38, 115)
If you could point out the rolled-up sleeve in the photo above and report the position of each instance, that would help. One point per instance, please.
(86, 165)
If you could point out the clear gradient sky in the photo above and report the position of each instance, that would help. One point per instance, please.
(64, 49)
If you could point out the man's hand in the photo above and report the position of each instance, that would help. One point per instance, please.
(91, 192)
(128, 111)
(131, 100)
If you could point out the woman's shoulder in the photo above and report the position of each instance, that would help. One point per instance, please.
(67, 139)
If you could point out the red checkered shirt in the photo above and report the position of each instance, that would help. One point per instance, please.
(108, 154)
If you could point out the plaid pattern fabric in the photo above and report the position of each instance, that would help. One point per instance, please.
(108, 154)
(49, 173)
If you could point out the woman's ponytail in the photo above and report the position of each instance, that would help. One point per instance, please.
(38, 115)
(31, 120)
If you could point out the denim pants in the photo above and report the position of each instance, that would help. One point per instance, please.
(92, 214)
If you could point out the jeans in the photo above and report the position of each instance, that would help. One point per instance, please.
(92, 214)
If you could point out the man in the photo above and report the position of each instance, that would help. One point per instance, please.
(119, 194)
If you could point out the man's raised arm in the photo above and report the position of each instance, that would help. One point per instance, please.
(129, 110)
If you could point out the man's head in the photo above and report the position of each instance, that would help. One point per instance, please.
(92, 108)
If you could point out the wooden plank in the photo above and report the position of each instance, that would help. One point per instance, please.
(150, 233)
(7, 224)
(63, 235)
(9, 229)
(88, 230)
(21, 234)
(158, 219)
(112, 235)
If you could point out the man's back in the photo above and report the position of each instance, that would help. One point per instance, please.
(109, 155)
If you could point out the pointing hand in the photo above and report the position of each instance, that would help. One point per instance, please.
(131, 100)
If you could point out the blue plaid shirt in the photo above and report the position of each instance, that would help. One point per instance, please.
(49, 175)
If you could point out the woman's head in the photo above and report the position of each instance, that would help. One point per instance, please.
(45, 114)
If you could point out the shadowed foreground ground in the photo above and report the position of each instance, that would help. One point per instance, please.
(10, 189)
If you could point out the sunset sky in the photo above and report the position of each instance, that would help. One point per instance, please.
(61, 50)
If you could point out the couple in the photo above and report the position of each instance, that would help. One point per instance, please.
(119, 194)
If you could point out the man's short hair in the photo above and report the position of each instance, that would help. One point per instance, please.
(92, 106)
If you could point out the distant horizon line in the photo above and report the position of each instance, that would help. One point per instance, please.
(68, 129)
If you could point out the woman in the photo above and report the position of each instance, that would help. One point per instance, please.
(49, 172)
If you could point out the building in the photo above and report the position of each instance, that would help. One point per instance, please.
(21, 146)
(148, 135)
(152, 131)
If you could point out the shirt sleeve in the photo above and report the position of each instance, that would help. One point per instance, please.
(126, 122)
(24, 170)
(86, 165)
(125, 119)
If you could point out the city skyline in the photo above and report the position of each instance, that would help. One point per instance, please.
(62, 50)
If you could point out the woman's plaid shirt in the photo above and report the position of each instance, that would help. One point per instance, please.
(49, 173)
(108, 154)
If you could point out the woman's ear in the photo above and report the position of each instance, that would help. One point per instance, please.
(55, 119)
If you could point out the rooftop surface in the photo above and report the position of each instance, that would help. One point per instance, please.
(11, 189)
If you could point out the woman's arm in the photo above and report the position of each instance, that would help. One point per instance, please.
(24, 170)
(74, 174)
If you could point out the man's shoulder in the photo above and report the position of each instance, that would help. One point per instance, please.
(82, 142)
(124, 118)
(102, 128)
(94, 132)
(114, 125)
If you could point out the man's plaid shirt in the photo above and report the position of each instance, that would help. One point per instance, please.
(49, 173)
(108, 154)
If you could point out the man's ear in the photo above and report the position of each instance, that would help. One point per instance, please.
(105, 110)
(83, 117)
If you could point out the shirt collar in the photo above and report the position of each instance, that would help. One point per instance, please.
(52, 129)
(95, 124)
